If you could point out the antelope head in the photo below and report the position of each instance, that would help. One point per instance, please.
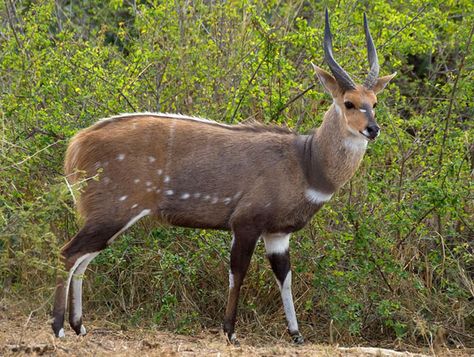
(354, 103)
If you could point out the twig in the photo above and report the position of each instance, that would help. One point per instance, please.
(420, 11)
(248, 86)
(292, 100)
(70, 190)
(451, 100)
(36, 153)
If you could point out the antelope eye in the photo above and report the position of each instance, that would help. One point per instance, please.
(349, 105)
(375, 104)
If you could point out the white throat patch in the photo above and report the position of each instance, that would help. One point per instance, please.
(317, 197)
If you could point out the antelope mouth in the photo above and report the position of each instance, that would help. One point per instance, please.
(367, 136)
(370, 135)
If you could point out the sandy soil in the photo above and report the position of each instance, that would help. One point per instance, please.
(26, 335)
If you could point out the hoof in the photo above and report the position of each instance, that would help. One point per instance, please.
(60, 333)
(297, 339)
(232, 339)
(58, 329)
(79, 329)
(82, 331)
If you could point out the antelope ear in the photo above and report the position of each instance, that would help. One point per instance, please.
(382, 82)
(327, 80)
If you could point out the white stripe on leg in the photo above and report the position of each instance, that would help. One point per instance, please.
(288, 306)
(76, 298)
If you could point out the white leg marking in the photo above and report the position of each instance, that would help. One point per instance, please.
(169, 192)
(76, 282)
(185, 196)
(123, 198)
(166, 179)
(316, 197)
(288, 305)
(83, 330)
(71, 272)
(120, 157)
(276, 243)
(159, 172)
(130, 223)
(231, 280)
(151, 159)
(61, 333)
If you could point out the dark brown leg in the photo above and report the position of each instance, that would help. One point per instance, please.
(243, 245)
(277, 247)
(90, 240)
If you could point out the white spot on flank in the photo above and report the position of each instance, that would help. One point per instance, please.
(196, 195)
(61, 333)
(159, 172)
(169, 192)
(158, 191)
(151, 159)
(317, 197)
(136, 180)
(227, 200)
(276, 243)
(148, 183)
(149, 189)
(206, 198)
(120, 157)
(166, 179)
(214, 200)
(135, 205)
(185, 196)
(237, 195)
(123, 198)
(130, 223)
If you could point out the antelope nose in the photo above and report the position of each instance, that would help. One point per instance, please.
(373, 130)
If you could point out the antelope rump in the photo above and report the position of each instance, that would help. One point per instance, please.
(253, 180)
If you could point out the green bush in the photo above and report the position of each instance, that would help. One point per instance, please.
(390, 257)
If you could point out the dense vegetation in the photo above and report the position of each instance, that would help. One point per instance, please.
(390, 257)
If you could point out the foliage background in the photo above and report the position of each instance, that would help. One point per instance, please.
(389, 259)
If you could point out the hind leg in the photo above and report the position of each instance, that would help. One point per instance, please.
(87, 243)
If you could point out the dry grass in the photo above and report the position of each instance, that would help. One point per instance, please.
(23, 334)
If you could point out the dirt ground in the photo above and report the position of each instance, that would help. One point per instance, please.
(28, 335)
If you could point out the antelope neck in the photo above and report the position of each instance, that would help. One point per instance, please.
(326, 160)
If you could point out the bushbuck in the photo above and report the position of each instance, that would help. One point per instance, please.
(253, 180)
